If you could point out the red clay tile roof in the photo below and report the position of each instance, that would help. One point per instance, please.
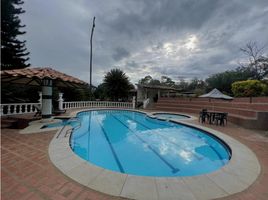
(38, 74)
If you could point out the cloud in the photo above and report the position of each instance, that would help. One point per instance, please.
(120, 53)
(187, 38)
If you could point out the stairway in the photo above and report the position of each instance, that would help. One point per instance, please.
(244, 113)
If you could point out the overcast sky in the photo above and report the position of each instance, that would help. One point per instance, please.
(175, 38)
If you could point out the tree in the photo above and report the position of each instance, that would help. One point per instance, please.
(100, 92)
(257, 62)
(249, 88)
(182, 84)
(197, 86)
(148, 80)
(224, 80)
(81, 93)
(14, 53)
(166, 81)
(195, 83)
(117, 84)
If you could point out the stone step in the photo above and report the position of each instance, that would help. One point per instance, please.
(242, 112)
(249, 106)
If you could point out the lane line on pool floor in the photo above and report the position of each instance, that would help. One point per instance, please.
(174, 169)
(112, 148)
(89, 134)
(163, 136)
(213, 149)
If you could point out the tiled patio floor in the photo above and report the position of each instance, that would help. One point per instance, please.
(258, 143)
(27, 173)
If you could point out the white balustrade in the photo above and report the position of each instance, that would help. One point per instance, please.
(96, 104)
(23, 108)
(19, 108)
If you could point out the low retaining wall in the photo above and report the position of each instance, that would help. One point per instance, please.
(236, 100)
(261, 121)
(247, 112)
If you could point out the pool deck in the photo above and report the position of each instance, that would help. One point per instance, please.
(27, 172)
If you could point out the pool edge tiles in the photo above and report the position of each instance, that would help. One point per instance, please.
(184, 116)
(139, 187)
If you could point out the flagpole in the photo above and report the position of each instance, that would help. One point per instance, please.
(90, 78)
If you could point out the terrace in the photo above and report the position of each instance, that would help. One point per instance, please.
(28, 173)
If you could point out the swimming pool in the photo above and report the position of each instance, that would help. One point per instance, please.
(133, 143)
(171, 116)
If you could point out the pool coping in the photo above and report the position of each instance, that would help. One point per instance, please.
(236, 176)
(189, 117)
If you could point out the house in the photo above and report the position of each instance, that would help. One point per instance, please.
(153, 92)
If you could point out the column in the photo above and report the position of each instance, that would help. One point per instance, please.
(40, 97)
(133, 102)
(60, 100)
(46, 98)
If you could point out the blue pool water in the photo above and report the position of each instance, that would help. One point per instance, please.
(170, 116)
(133, 143)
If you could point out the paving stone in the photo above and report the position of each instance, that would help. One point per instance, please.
(84, 173)
(224, 180)
(203, 188)
(137, 187)
(173, 189)
(108, 182)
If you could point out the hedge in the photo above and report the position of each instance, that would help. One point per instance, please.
(249, 88)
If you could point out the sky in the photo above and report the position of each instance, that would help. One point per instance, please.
(175, 38)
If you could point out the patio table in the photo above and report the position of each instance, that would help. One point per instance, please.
(212, 115)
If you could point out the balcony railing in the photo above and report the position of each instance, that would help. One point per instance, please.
(24, 108)
(96, 104)
(19, 108)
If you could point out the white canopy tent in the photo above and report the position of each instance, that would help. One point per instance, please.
(216, 94)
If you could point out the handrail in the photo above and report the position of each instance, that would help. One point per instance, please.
(73, 128)
(67, 132)
(19, 108)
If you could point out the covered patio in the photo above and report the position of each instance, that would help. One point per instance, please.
(45, 78)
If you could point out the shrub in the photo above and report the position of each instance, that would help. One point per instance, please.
(249, 88)
(265, 88)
